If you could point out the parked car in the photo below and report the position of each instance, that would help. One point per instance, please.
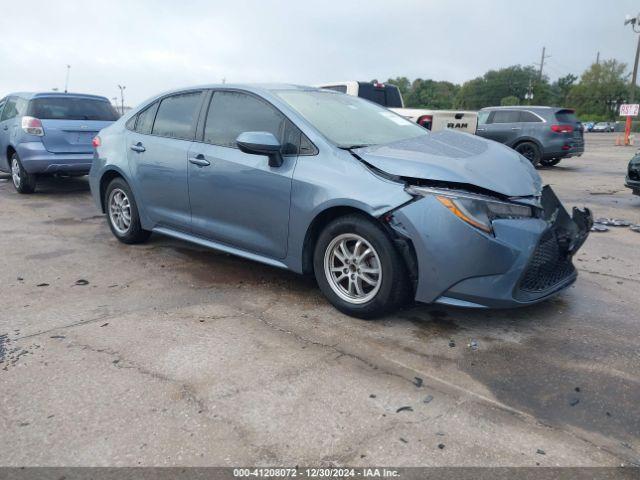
(603, 127)
(543, 135)
(389, 96)
(633, 174)
(587, 126)
(49, 133)
(379, 209)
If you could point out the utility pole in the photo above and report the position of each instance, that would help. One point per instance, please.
(121, 87)
(598, 59)
(66, 82)
(635, 22)
(544, 50)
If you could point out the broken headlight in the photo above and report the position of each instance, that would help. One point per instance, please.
(474, 209)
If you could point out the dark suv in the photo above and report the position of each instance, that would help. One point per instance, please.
(544, 135)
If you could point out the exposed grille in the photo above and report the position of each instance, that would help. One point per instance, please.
(634, 172)
(548, 265)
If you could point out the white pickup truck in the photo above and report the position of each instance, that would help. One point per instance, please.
(389, 96)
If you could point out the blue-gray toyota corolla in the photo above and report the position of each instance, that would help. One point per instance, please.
(379, 209)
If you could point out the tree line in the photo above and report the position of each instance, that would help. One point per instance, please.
(596, 95)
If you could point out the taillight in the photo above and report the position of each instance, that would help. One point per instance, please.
(32, 126)
(562, 128)
(96, 142)
(425, 121)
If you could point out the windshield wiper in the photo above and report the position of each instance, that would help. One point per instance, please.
(352, 147)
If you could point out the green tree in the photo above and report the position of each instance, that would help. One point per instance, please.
(493, 86)
(509, 101)
(602, 88)
(561, 89)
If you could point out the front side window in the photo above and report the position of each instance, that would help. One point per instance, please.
(350, 121)
(232, 113)
(176, 116)
(71, 108)
(506, 116)
(483, 117)
(9, 111)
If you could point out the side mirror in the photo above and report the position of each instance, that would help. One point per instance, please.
(261, 143)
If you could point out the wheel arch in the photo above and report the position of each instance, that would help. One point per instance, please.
(318, 223)
(105, 179)
(533, 140)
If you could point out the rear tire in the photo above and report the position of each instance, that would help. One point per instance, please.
(530, 151)
(550, 162)
(23, 181)
(122, 213)
(358, 269)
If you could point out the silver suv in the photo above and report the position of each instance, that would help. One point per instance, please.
(544, 135)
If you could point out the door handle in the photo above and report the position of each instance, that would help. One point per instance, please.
(6, 127)
(515, 128)
(199, 160)
(138, 147)
(481, 129)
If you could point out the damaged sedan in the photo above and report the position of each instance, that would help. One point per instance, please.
(379, 209)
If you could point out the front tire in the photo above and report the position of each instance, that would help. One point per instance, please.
(358, 269)
(23, 181)
(122, 213)
(530, 151)
(550, 162)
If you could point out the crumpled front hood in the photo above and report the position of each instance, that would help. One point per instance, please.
(449, 156)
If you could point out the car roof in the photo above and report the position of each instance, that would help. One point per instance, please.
(31, 95)
(251, 87)
(533, 108)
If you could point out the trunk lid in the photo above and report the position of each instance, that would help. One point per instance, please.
(455, 157)
(71, 136)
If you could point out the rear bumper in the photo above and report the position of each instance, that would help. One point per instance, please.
(524, 262)
(574, 150)
(36, 159)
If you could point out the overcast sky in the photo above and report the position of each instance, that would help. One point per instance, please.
(155, 45)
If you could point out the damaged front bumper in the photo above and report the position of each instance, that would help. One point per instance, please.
(523, 261)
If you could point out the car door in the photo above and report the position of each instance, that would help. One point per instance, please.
(237, 198)
(8, 113)
(158, 148)
(502, 126)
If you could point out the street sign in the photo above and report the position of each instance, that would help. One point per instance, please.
(629, 109)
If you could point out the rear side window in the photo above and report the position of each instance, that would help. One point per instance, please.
(10, 109)
(232, 113)
(71, 108)
(144, 123)
(566, 116)
(506, 116)
(387, 95)
(176, 115)
(529, 117)
(337, 88)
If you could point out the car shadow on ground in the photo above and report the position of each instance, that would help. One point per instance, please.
(54, 185)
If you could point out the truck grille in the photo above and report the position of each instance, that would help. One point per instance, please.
(548, 266)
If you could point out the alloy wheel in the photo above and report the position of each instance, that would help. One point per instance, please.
(353, 269)
(15, 172)
(120, 211)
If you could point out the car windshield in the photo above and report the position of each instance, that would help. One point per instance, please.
(348, 121)
(72, 108)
